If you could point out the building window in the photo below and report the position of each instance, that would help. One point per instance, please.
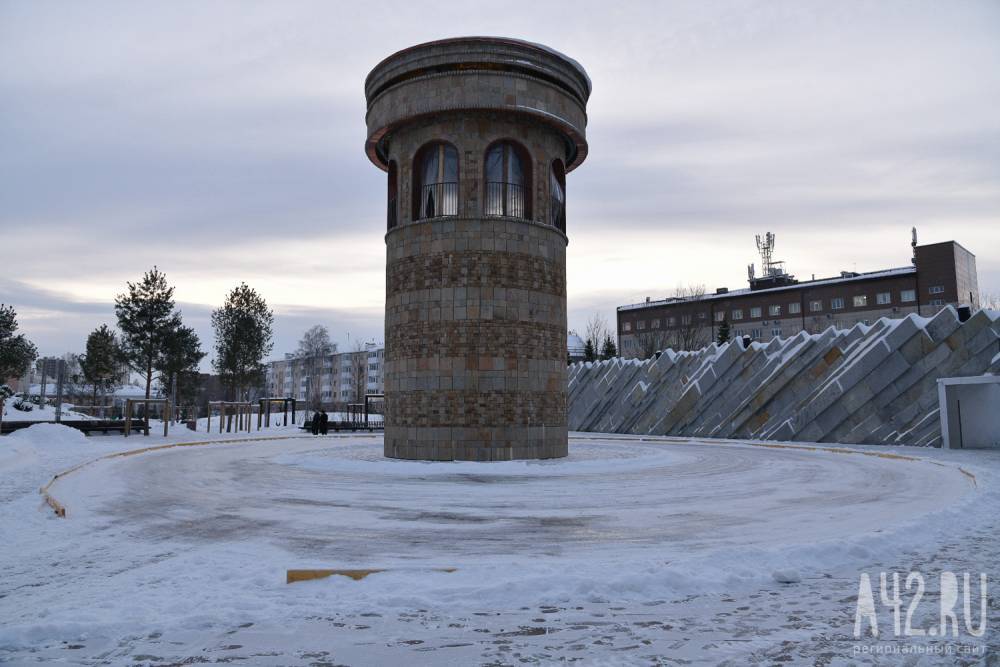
(755, 333)
(776, 333)
(435, 181)
(737, 314)
(508, 181)
(837, 303)
(640, 325)
(860, 301)
(755, 312)
(702, 315)
(936, 302)
(557, 196)
(654, 324)
(815, 306)
(936, 289)
(794, 308)
(392, 208)
(720, 315)
(774, 310)
(685, 319)
(626, 326)
(883, 298)
(671, 321)
(908, 295)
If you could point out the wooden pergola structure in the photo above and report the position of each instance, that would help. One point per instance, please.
(242, 410)
(264, 412)
(130, 404)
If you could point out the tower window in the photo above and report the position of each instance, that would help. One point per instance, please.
(435, 186)
(557, 196)
(508, 181)
(392, 207)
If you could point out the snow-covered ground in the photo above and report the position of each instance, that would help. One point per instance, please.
(629, 551)
(39, 413)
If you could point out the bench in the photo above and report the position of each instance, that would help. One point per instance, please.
(343, 425)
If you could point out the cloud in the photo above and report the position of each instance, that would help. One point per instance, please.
(223, 142)
(58, 321)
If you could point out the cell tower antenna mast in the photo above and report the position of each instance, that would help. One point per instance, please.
(765, 246)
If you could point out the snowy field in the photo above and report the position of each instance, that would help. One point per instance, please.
(630, 551)
(39, 413)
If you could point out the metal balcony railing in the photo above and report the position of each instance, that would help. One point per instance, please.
(438, 199)
(505, 199)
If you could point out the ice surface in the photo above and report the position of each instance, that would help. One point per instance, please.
(181, 553)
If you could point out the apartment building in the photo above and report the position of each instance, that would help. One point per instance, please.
(331, 380)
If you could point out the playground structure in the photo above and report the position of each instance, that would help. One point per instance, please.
(241, 410)
(358, 417)
(359, 414)
(130, 404)
(264, 416)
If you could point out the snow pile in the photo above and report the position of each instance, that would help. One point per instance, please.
(51, 435)
(23, 446)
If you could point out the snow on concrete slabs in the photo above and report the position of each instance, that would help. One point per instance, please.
(869, 384)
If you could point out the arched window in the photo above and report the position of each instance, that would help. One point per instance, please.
(508, 181)
(392, 207)
(557, 196)
(435, 181)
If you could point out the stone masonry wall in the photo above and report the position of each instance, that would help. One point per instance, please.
(475, 362)
(868, 385)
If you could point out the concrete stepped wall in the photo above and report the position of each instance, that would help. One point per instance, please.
(869, 384)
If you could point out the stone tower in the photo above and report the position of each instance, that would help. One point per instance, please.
(476, 135)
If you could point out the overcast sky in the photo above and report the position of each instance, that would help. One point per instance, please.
(224, 142)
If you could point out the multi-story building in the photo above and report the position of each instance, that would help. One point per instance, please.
(777, 304)
(332, 380)
(376, 359)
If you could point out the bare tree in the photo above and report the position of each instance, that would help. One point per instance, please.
(314, 348)
(359, 371)
(597, 331)
(692, 331)
(654, 341)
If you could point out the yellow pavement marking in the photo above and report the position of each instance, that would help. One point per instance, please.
(291, 576)
(60, 509)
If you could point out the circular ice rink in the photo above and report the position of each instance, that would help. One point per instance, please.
(652, 546)
(338, 501)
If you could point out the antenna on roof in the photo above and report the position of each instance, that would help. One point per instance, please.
(913, 244)
(769, 267)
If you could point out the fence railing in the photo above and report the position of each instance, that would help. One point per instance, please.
(505, 199)
(438, 199)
